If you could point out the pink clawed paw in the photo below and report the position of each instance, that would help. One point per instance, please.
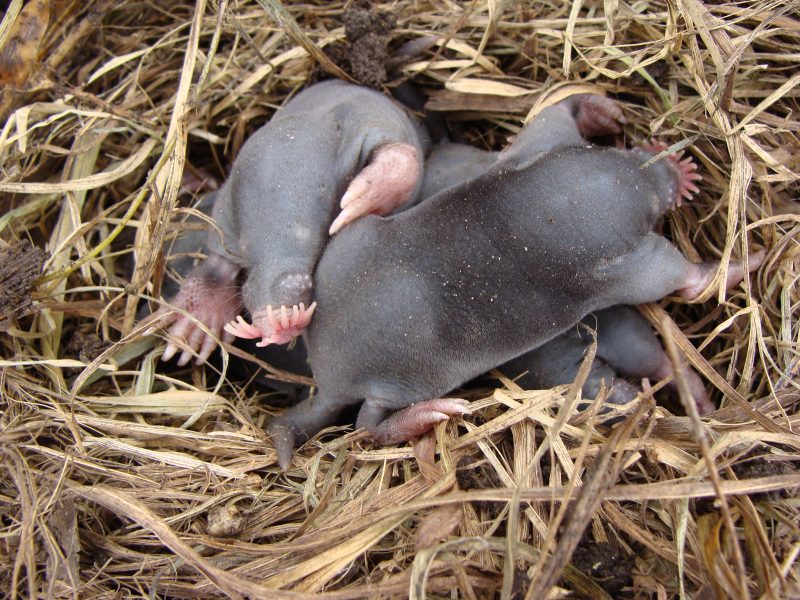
(598, 115)
(384, 184)
(273, 326)
(206, 306)
(685, 168)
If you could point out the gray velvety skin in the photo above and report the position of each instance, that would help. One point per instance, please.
(275, 209)
(283, 192)
(450, 164)
(413, 305)
(626, 343)
(626, 346)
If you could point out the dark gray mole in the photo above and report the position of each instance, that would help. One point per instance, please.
(626, 343)
(283, 191)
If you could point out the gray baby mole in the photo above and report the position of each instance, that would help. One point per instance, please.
(415, 304)
(333, 141)
(626, 347)
(626, 344)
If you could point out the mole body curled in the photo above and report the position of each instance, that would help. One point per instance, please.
(333, 153)
(415, 304)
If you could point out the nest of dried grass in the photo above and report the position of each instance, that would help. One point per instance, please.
(121, 479)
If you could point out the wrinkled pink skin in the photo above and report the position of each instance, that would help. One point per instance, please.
(417, 419)
(210, 295)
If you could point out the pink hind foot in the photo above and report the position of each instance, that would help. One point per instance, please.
(417, 419)
(685, 169)
(697, 388)
(595, 115)
(702, 274)
(211, 295)
(273, 326)
(384, 184)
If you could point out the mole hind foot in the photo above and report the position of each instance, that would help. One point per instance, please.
(211, 296)
(273, 326)
(684, 168)
(697, 388)
(595, 115)
(416, 420)
(702, 274)
(384, 184)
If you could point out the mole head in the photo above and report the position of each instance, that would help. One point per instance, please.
(664, 175)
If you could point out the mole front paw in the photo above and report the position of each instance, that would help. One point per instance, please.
(596, 115)
(208, 299)
(384, 184)
(273, 326)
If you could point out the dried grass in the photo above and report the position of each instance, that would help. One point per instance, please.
(121, 480)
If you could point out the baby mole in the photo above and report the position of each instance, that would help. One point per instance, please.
(333, 146)
(626, 347)
(626, 344)
(415, 304)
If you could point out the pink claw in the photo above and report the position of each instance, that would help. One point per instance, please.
(384, 184)
(685, 168)
(242, 329)
(273, 326)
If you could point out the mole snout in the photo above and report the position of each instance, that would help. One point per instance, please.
(294, 286)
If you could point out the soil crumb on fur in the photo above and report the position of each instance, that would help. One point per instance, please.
(20, 267)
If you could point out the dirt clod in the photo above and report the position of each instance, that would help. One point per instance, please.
(368, 32)
(86, 347)
(20, 267)
(225, 521)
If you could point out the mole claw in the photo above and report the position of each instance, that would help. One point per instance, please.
(284, 318)
(206, 349)
(186, 356)
(169, 352)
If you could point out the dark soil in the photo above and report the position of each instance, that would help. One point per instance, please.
(764, 467)
(474, 474)
(20, 267)
(606, 563)
(366, 52)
